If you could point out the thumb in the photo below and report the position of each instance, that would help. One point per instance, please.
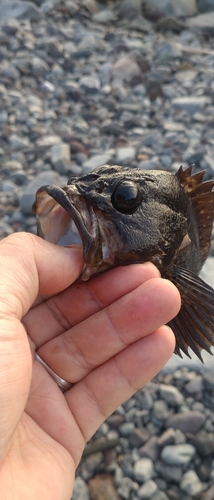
(29, 266)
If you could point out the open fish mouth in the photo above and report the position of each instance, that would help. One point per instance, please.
(65, 218)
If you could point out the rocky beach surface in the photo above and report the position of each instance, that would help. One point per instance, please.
(129, 82)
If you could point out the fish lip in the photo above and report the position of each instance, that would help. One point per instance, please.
(62, 197)
(97, 251)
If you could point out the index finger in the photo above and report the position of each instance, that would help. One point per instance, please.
(83, 299)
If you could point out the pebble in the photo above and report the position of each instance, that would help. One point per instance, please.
(202, 23)
(41, 179)
(174, 7)
(208, 380)
(178, 454)
(19, 10)
(60, 158)
(80, 490)
(150, 449)
(143, 470)
(138, 437)
(124, 155)
(147, 490)
(171, 395)
(190, 104)
(191, 483)
(204, 443)
(189, 421)
(97, 160)
(160, 411)
(125, 487)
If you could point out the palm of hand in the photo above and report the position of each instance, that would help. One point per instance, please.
(95, 335)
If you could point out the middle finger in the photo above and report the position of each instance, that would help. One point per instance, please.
(95, 340)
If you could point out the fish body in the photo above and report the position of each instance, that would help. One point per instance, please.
(122, 215)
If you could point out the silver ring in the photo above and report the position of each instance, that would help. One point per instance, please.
(62, 384)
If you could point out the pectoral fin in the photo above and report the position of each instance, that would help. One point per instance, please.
(194, 325)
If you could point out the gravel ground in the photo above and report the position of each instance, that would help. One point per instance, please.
(84, 83)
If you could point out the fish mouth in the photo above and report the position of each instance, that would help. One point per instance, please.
(65, 218)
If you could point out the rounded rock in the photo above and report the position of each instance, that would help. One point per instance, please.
(171, 395)
(179, 454)
(148, 489)
(80, 490)
(191, 483)
(188, 421)
(143, 470)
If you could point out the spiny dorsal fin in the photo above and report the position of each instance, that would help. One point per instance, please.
(202, 198)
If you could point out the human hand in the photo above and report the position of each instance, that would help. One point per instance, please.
(105, 336)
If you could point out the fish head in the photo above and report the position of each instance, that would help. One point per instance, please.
(119, 215)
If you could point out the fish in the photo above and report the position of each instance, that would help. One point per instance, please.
(122, 215)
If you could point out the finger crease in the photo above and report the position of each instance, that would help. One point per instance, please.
(57, 314)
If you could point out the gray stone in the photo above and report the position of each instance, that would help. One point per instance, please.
(179, 454)
(80, 490)
(19, 177)
(188, 421)
(93, 461)
(104, 16)
(48, 140)
(191, 104)
(5, 229)
(202, 22)
(206, 5)
(42, 179)
(180, 437)
(194, 385)
(143, 470)
(60, 157)
(138, 437)
(160, 495)
(171, 395)
(209, 380)
(125, 69)
(204, 443)
(17, 143)
(191, 483)
(98, 160)
(160, 411)
(148, 165)
(19, 10)
(48, 6)
(168, 51)
(208, 164)
(125, 154)
(174, 7)
(168, 437)
(39, 67)
(125, 487)
(126, 428)
(170, 473)
(192, 156)
(146, 400)
(209, 494)
(150, 449)
(129, 9)
(11, 26)
(8, 186)
(90, 84)
(148, 489)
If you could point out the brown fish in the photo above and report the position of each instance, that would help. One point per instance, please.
(123, 215)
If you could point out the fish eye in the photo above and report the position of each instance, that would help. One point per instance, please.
(126, 197)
